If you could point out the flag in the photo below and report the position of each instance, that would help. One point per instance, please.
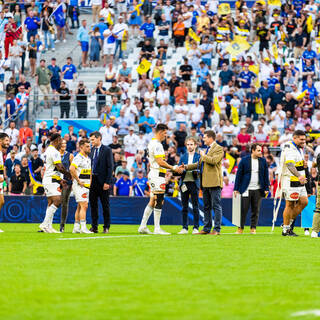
(216, 105)
(237, 46)
(224, 9)
(232, 162)
(309, 24)
(144, 66)
(124, 41)
(17, 33)
(109, 20)
(193, 35)
(36, 184)
(234, 115)
(275, 51)
(259, 107)
(59, 16)
(301, 95)
(255, 69)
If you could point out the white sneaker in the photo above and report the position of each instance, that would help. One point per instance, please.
(57, 41)
(160, 231)
(76, 230)
(64, 40)
(53, 49)
(53, 230)
(195, 231)
(314, 234)
(183, 231)
(85, 231)
(144, 230)
(44, 228)
(307, 233)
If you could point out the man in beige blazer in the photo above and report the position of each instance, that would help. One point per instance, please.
(211, 182)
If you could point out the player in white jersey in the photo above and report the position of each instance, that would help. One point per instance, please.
(293, 180)
(80, 170)
(4, 144)
(52, 181)
(157, 182)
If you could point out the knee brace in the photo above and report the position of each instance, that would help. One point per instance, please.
(159, 201)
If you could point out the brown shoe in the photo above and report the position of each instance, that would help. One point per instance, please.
(203, 232)
(239, 231)
(215, 233)
(105, 230)
(253, 231)
(94, 230)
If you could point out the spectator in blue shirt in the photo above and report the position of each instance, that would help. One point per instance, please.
(148, 28)
(252, 98)
(146, 123)
(202, 74)
(309, 54)
(245, 77)
(32, 24)
(308, 70)
(123, 186)
(139, 184)
(102, 27)
(272, 80)
(10, 163)
(264, 91)
(83, 39)
(308, 85)
(55, 79)
(68, 72)
(10, 106)
(164, 27)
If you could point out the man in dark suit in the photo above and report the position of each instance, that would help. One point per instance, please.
(252, 182)
(189, 186)
(102, 168)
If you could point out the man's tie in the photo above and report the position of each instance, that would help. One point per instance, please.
(201, 169)
(95, 159)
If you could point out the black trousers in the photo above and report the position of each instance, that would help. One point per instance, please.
(96, 192)
(253, 201)
(64, 109)
(192, 192)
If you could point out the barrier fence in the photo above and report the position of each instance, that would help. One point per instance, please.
(124, 210)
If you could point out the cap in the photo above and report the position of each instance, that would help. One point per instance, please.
(242, 21)
(202, 62)
(33, 147)
(147, 109)
(112, 118)
(234, 59)
(126, 172)
(181, 80)
(243, 127)
(267, 58)
(124, 159)
(101, 19)
(8, 15)
(286, 64)
(131, 128)
(12, 152)
(140, 171)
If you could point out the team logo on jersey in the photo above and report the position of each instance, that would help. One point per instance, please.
(163, 186)
(85, 196)
(294, 196)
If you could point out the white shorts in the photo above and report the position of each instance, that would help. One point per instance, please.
(157, 184)
(52, 189)
(80, 193)
(109, 50)
(292, 193)
(69, 83)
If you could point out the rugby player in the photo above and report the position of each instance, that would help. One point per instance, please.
(293, 181)
(80, 170)
(52, 181)
(157, 181)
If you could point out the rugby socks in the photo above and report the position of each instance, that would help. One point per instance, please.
(49, 215)
(83, 224)
(157, 216)
(146, 215)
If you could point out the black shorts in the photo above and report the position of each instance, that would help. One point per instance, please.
(263, 45)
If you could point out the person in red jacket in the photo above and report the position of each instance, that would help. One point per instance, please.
(10, 30)
(24, 133)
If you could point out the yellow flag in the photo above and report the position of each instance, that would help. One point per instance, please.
(224, 9)
(274, 3)
(35, 184)
(109, 20)
(232, 161)
(234, 115)
(124, 41)
(193, 35)
(309, 24)
(144, 66)
(259, 107)
(301, 95)
(237, 46)
(216, 105)
(275, 51)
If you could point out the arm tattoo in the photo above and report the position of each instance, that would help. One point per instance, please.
(291, 167)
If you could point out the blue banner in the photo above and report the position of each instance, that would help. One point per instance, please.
(307, 213)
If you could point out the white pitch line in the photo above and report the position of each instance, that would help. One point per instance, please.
(315, 312)
(244, 234)
(102, 237)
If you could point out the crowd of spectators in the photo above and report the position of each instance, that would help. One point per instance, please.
(259, 94)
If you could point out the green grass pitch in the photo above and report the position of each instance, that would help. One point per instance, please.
(262, 276)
